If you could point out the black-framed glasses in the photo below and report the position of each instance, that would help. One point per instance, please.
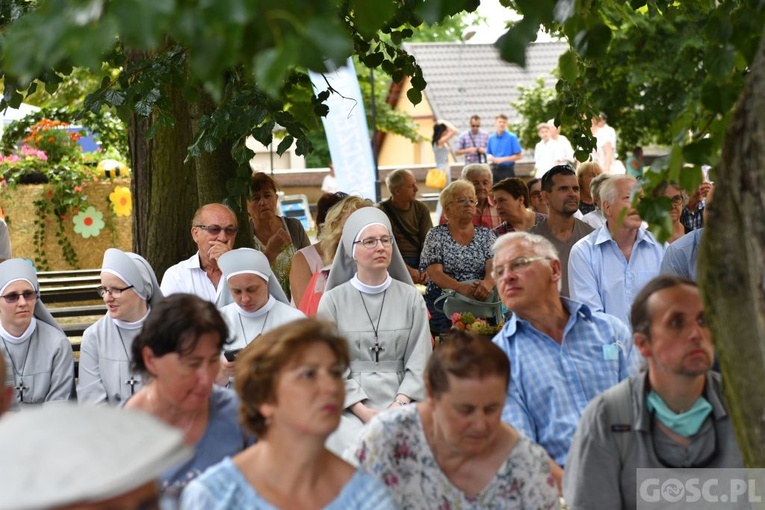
(370, 243)
(113, 292)
(28, 295)
(214, 230)
(677, 199)
(516, 265)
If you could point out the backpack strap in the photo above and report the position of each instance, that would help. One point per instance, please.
(618, 405)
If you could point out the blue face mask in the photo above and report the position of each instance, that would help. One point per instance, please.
(686, 424)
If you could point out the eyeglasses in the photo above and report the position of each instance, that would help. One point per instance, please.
(214, 230)
(28, 295)
(370, 243)
(516, 265)
(677, 200)
(112, 292)
(466, 201)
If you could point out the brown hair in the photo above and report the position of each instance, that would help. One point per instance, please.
(640, 314)
(465, 356)
(261, 181)
(516, 187)
(259, 364)
(175, 325)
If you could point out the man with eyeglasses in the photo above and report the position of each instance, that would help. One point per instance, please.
(472, 143)
(670, 416)
(213, 230)
(561, 353)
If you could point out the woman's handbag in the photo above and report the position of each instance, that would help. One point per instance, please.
(435, 179)
(454, 302)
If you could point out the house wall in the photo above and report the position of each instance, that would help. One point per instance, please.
(396, 150)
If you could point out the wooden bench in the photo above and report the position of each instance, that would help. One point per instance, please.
(72, 299)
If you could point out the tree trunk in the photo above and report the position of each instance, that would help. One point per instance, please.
(164, 188)
(732, 265)
(214, 169)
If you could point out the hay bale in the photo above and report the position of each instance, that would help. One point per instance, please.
(20, 215)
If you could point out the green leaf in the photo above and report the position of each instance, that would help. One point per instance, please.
(414, 95)
(564, 10)
(568, 65)
(284, 145)
(324, 39)
(370, 16)
(593, 42)
(699, 152)
(373, 59)
(690, 178)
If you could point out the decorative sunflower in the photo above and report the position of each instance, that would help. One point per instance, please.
(122, 201)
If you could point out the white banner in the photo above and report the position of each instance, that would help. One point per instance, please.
(347, 131)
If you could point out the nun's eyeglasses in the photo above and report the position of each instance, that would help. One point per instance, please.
(28, 295)
(112, 292)
(370, 243)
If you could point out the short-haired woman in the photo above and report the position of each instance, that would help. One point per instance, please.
(277, 237)
(178, 354)
(512, 199)
(291, 391)
(453, 447)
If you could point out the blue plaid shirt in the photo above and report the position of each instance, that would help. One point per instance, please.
(551, 383)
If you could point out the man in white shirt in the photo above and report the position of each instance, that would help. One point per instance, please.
(213, 230)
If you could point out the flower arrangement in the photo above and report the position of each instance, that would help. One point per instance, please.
(52, 137)
(468, 322)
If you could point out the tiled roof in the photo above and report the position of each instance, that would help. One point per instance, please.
(467, 79)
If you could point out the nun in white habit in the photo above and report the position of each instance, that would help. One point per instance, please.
(377, 308)
(128, 287)
(251, 302)
(37, 352)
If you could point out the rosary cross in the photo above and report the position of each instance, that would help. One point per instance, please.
(376, 348)
(20, 389)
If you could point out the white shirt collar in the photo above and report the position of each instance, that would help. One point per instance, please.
(371, 289)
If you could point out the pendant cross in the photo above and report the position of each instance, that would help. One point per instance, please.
(376, 348)
(132, 382)
(20, 389)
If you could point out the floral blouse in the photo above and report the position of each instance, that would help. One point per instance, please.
(393, 448)
(461, 262)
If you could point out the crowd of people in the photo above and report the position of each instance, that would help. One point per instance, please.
(299, 375)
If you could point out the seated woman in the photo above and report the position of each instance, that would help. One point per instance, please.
(486, 214)
(38, 355)
(454, 447)
(383, 317)
(330, 238)
(585, 173)
(456, 253)
(277, 237)
(679, 200)
(291, 389)
(310, 259)
(178, 355)
(128, 288)
(259, 303)
(512, 198)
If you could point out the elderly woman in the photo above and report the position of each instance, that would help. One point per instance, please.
(457, 255)
(486, 214)
(277, 237)
(259, 303)
(310, 259)
(330, 238)
(128, 288)
(678, 201)
(178, 354)
(37, 352)
(454, 447)
(512, 198)
(290, 384)
(382, 315)
(585, 173)
(596, 219)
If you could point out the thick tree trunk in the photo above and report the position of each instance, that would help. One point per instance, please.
(164, 188)
(214, 169)
(732, 265)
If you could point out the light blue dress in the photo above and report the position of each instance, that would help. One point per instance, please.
(223, 486)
